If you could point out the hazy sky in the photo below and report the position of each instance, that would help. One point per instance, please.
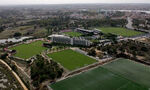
(5, 2)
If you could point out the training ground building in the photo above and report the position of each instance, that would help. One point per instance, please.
(89, 32)
(62, 39)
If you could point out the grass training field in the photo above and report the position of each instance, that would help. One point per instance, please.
(71, 59)
(26, 51)
(131, 70)
(73, 34)
(121, 74)
(120, 31)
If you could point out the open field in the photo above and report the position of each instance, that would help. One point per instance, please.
(121, 74)
(70, 59)
(120, 31)
(10, 32)
(24, 30)
(131, 70)
(73, 34)
(26, 51)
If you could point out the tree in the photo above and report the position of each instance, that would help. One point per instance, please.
(111, 37)
(1, 28)
(92, 52)
(49, 30)
(13, 51)
(14, 68)
(35, 27)
(134, 54)
(17, 34)
(3, 56)
(145, 49)
(42, 70)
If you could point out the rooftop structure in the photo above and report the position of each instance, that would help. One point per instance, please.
(85, 31)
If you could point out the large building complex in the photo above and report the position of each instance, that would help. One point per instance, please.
(67, 40)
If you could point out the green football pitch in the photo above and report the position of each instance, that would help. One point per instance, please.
(26, 51)
(120, 31)
(117, 75)
(71, 59)
(73, 34)
(131, 70)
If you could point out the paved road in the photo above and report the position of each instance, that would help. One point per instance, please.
(130, 26)
(135, 37)
(85, 53)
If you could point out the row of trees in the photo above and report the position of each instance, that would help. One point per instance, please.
(65, 22)
(145, 23)
(128, 48)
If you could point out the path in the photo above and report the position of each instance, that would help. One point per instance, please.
(129, 25)
(85, 53)
(86, 68)
(21, 69)
(17, 77)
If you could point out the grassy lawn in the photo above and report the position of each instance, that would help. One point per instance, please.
(122, 74)
(96, 79)
(73, 34)
(120, 31)
(131, 70)
(26, 51)
(71, 59)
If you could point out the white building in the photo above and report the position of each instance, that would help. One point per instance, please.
(81, 41)
(60, 39)
(67, 40)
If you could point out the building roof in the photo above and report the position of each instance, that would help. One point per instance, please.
(90, 31)
(56, 35)
(84, 30)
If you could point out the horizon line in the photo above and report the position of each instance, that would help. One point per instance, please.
(64, 4)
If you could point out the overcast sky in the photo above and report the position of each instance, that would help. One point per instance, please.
(6, 2)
